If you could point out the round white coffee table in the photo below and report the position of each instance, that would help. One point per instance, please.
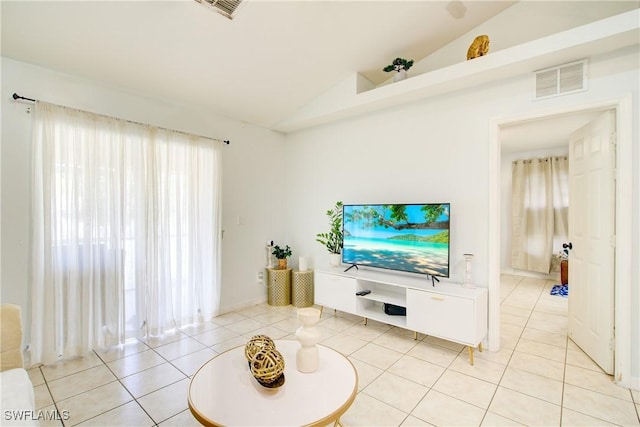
(224, 393)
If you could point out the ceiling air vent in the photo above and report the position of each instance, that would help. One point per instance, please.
(225, 7)
(561, 80)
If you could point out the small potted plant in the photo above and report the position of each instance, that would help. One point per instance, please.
(281, 255)
(400, 66)
(334, 239)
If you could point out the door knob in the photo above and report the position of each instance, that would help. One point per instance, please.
(567, 245)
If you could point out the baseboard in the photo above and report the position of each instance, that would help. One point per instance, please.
(524, 273)
(240, 306)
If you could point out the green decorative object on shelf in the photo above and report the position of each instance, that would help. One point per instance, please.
(400, 66)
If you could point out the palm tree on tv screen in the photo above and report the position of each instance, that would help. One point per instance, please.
(397, 217)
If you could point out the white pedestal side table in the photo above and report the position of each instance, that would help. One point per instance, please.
(224, 393)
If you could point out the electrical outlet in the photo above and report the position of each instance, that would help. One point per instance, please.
(260, 276)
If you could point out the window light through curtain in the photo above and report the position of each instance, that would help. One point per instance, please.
(126, 231)
(540, 204)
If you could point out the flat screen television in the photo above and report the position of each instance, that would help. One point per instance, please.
(412, 238)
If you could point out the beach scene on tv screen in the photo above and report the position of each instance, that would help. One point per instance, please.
(412, 238)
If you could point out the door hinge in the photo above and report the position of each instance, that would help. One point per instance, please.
(612, 344)
(612, 240)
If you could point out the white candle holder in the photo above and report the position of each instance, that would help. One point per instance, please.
(269, 254)
(308, 335)
(467, 271)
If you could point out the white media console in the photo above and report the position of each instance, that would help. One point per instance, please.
(448, 311)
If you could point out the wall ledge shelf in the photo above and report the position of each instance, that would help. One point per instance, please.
(356, 95)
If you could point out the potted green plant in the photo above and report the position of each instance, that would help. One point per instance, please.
(281, 255)
(334, 239)
(400, 66)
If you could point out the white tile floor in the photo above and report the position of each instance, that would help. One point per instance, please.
(538, 377)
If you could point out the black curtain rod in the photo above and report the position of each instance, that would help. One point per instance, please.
(15, 97)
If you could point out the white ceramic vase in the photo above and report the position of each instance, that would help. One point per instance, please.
(307, 358)
(400, 75)
(335, 259)
(467, 273)
(302, 264)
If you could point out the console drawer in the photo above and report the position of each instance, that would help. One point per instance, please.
(334, 291)
(443, 316)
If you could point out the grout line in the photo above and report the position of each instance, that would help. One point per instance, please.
(55, 404)
(512, 352)
(131, 394)
(118, 380)
(540, 298)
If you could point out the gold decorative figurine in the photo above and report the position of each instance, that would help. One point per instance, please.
(267, 367)
(257, 343)
(479, 47)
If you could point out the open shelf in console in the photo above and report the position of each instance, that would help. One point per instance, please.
(374, 310)
(446, 310)
(371, 305)
(383, 293)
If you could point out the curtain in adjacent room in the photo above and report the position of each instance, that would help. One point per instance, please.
(126, 231)
(540, 201)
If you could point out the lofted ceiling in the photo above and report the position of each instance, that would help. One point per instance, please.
(260, 67)
(273, 58)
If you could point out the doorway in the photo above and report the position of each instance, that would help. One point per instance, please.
(622, 266)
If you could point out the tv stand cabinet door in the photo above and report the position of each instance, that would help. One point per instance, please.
(444, 316)
(334, 291)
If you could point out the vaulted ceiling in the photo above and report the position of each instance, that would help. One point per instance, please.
(259, 67)
(273, 58)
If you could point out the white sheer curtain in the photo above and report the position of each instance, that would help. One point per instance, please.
(539, 207)
(126, 231)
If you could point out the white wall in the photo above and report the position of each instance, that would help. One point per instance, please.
(505, 203)
(253, 170)
(279, 187)
(398, 156)
(437, 150)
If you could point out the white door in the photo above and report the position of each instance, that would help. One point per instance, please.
(591, 233)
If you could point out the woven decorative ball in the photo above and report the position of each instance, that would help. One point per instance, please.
(257, 343)
(267, 367)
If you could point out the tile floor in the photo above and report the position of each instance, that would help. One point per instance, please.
(538, 377)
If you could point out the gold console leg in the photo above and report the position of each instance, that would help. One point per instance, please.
(337, 423)
(365, 321)
(415, 335)
(471, 352)
(321, 308)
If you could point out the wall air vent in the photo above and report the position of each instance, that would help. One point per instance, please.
(561, 80)
(225, 7)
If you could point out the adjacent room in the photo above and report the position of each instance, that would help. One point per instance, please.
(397, 212)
